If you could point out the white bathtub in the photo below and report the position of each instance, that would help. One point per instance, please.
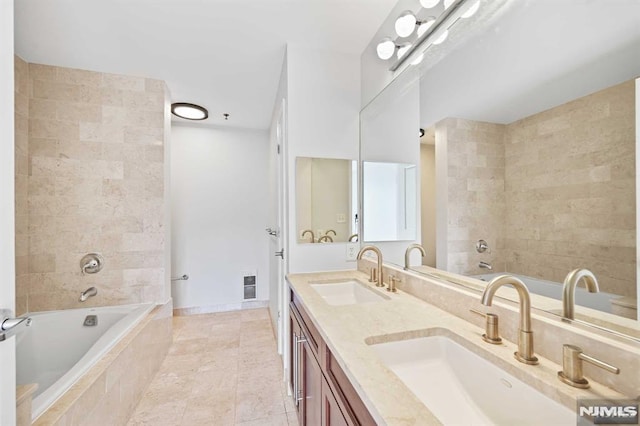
(57, 349)
(600, 301)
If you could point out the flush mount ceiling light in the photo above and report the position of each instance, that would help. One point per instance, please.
(189, 111)
(417, 32)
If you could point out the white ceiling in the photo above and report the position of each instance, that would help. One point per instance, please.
(223, 54)
(536, 55)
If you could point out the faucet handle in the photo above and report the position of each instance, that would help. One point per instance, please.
(392, 283)
(372, 275)
(492, 329)
(571, 374)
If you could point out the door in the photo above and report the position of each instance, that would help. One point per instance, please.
(7, 230)
(278, 231)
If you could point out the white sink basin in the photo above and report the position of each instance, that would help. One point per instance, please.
(348, 292)
(461, 388)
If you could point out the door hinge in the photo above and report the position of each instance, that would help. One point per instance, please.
(278, 148)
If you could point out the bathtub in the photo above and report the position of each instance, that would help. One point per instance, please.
(600, 301)
(57, 349)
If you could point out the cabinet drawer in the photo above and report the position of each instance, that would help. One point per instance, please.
(315, 341)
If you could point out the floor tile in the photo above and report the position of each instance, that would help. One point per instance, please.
(222, 369)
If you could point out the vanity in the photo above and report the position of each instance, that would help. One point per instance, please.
(365, 355)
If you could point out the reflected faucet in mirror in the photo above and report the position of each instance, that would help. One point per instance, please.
(325, 239)
(407, 254)
(331, 230)
(353, 238)
(525, 335)
(309, 231)
(569, 289)
(376, 250)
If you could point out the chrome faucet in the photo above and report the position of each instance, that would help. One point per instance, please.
(407, 254)
(309, 231)
(363, 250)
(525, 335)
(90, 292)
(569, 289)
(485, 265)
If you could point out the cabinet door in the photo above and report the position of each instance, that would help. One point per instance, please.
(311, 387)
(331, 414)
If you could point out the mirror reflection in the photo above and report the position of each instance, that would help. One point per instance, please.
(389, 196)
(528, 160)
(326, 200)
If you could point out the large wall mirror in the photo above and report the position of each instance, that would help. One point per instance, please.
(528, 160)
(326, 200)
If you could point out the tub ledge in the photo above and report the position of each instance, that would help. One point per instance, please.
(24, 395)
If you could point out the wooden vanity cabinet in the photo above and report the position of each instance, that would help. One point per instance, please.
(322, 392)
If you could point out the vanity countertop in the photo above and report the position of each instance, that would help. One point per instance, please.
(346, 328)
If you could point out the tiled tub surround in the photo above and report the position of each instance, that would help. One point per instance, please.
(92, 168)
(108, 393)
(346, 328)
(550, 193)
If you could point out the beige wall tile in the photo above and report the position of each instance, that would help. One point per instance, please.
(80, 188)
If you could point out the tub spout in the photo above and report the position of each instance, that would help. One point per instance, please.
(90, 292)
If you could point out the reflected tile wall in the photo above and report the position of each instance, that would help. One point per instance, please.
(22, 182)
(95, 166)
(476, 208)
(570, 174)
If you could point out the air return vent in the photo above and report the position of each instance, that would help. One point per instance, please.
(249, 287)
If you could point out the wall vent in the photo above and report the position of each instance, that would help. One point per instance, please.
(249, 287)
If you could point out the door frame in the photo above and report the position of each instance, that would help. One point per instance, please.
(7, 212)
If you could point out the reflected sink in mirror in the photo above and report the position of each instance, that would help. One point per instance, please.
(348, 292)
(460, 387)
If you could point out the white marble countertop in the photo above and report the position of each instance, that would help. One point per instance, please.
(346, 328)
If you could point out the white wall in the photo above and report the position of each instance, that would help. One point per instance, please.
(220, 193)
(389, 133)
(324, 106)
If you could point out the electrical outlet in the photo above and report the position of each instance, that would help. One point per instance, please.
(341, 218)
(352, 252)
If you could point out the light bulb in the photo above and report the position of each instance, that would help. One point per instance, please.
(418, 59)
(448, 3)
(385, 49)
(428, 4)
(425, 25)
(406, 24)
(403, 49)
(472, 10)
(442, 37)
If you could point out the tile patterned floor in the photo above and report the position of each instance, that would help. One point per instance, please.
(222, 369)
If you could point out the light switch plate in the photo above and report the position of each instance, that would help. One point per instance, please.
(352, 252)
(341, 218)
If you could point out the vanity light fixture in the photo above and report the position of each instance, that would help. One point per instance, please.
(385, 49)
(416, 32)
(189, 111)
(406, 23)
(428, 4)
